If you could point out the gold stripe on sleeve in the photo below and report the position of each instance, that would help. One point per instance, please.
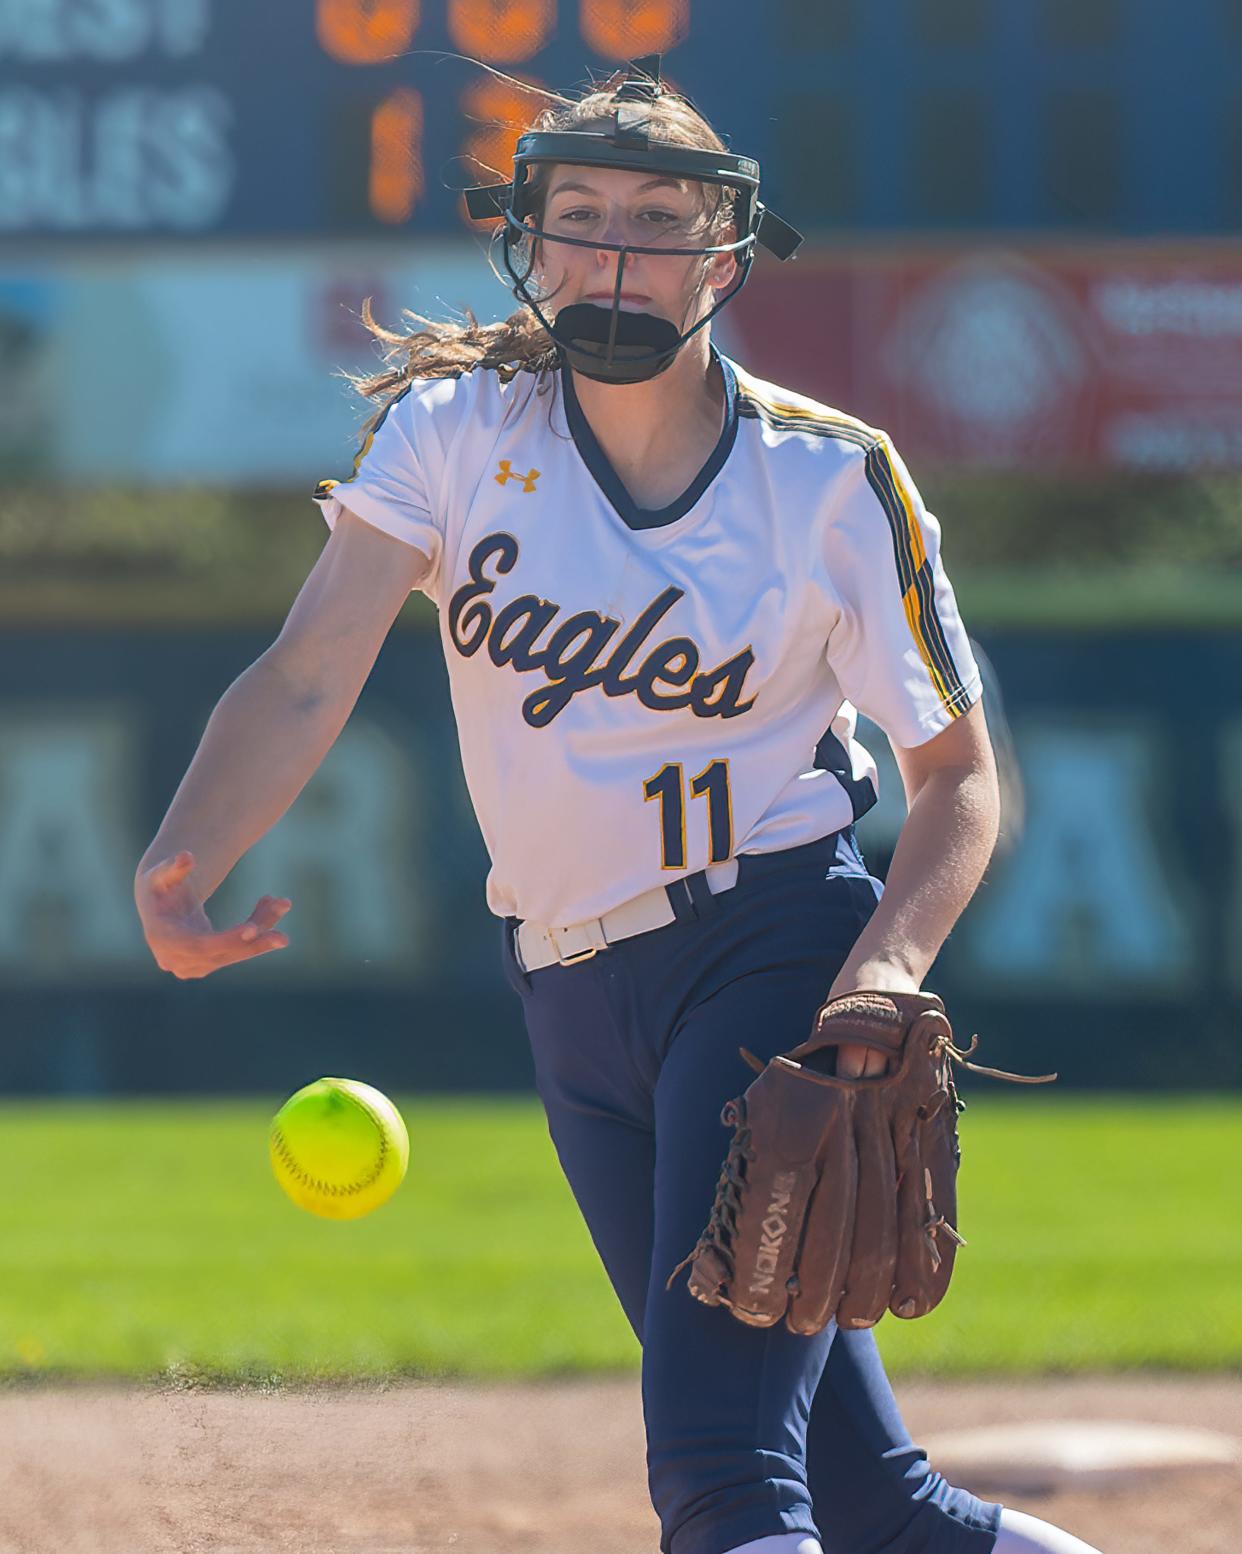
(917, 582)
(914, 571)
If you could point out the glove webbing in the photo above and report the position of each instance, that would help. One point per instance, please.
(728, 1187)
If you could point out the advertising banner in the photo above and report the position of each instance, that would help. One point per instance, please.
(1122, 356)
(224, 368)
(208, 368)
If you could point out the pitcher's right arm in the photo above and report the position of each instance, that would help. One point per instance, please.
(264, 740)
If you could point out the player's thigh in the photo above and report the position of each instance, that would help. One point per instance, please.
(610, 1168)
(783, 954)
(776, 956)
(599, 1116)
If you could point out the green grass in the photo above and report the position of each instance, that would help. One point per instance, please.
(148, 1238)
(1104, 1234)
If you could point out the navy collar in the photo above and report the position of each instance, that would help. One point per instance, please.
(596, 460)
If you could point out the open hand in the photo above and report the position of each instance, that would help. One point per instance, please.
(179, 931)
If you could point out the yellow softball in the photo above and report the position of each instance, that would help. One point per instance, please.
(339, 1148)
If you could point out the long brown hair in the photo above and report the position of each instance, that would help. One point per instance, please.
(435, 348)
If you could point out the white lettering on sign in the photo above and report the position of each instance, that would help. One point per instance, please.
(133, 159)
(62, 31)
(1172, 439)
(1092, 901)
(68, 848)
(343, 855)
(1203, 308)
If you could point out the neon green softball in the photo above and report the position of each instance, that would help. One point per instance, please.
(339, 1148)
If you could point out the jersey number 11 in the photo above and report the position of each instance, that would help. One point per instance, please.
(668, 785)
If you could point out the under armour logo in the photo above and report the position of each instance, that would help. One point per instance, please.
(506, 473)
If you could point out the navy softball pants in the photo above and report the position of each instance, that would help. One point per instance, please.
(750, 1431)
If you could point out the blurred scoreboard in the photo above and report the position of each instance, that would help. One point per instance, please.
(192, 118)
(137, 119)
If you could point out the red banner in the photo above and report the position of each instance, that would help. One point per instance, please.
(1121, 356)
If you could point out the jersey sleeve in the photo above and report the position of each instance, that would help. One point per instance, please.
(898, 647)
(395, 484)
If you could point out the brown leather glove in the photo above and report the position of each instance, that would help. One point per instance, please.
(838, 1197)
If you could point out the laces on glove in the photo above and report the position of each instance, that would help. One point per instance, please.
(945, 1044)
(722, 1225)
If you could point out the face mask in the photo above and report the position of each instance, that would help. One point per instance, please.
(603, 342)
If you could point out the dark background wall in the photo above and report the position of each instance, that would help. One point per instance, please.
(1099, 944)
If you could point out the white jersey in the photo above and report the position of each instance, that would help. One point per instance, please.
(639, 694)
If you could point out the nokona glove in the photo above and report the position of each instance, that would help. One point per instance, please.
(838, 1196)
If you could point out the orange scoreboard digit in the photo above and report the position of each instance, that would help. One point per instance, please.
(375, 33)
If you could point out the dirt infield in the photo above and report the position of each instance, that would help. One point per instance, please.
(506, 1469)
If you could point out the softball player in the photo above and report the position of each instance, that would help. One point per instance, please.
(664, 586)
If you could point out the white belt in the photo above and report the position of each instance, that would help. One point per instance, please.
(540, 944)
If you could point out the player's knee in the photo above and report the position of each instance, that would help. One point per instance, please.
(1023, 1534)
(781, 1543)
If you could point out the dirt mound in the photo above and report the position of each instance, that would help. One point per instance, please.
(498, 1469)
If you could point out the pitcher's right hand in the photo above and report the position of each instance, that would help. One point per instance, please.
(179, 931)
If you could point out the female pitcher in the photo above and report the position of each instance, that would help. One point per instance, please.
(664, 587)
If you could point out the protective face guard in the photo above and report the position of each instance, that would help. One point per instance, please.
(613, 345)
